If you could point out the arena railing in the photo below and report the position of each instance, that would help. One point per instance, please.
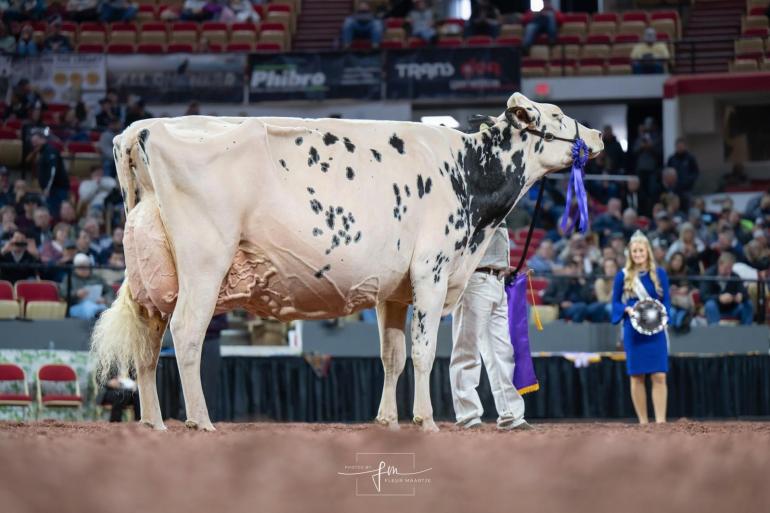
(757, 287)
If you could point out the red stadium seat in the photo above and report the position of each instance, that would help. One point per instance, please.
(635, 16)
(361, 44)
(392, 44)
(449, 42)
(664, 15)
(150, 48)
(270, 25)
(120, 48)
(6, 291)
(90, 48)
(508, 41)
(626, 38)
(755, 32)
(8, 133)
(479, 41)
(10, 372)
(214, 48)
(268, 47)
(30, 291)
(605, 16)
(581, 17)
(59, 373)
(180, 48)
(241, 47)
(92, 27)
(416, 42)
(394, 22)
(13, 123)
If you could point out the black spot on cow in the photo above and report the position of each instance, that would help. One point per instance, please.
(324, 269)
(524, 136)
(350, 173)
(446, 229)
(397, 143)
(339, 210)
(324, 166)
(438, 266)
(283, 164)
(313, 157)
(357, 237)
(317, 232)
(142, 138)
(349, 145)
(407, 191)
(350, 216)
(397, 208)
(428, 184)
(330, 218)
(538, 145)
(335, 241)
(420, 186)
(316, 206)
(420, 315)
(298, 141)
(311, 190)
(398, 245)
(377, 155)
(330, 138)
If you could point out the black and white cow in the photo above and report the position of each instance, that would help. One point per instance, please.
(312, 219)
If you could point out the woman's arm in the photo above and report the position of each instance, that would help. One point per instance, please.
(618, 307)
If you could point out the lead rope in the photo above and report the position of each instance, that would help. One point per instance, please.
(539, 201)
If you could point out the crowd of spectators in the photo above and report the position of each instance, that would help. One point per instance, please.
(713, 255)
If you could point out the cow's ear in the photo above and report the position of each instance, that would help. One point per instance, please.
(518, 117)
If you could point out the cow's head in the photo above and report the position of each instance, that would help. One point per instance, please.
(547, 134)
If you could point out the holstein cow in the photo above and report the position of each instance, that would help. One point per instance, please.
(312, 219)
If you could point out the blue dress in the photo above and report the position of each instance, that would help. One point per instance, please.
(645, 354)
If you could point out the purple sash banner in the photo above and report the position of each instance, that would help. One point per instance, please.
(524, 378)
(570, 218)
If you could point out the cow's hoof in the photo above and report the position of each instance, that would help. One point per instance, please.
(426, 425)
(388, 423)
(150, 425)
(191, 424)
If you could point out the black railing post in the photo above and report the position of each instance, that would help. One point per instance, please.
(69, 288)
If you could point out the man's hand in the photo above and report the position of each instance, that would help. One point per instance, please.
(566, 304)
(82, 293)
(725, 298)
(739, 298)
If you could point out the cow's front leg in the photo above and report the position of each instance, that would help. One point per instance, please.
(429, 296)
(391, 318)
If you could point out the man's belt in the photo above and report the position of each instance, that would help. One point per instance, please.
(489, 270)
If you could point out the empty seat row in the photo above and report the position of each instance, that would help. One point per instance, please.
(203, 47)
(12, 374)
(31, 300)
(585, 66)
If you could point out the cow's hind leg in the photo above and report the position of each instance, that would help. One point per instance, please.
(391, 318)
(192, 315)
(429, 297)
(145, 377)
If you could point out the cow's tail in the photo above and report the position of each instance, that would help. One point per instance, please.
(123, 336)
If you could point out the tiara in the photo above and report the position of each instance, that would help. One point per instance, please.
(639, 235)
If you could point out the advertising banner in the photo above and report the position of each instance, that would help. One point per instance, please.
(452, 72)
(178, 78)
(63, 78)
(316, 76)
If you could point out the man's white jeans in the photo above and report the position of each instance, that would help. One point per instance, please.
(480, 331)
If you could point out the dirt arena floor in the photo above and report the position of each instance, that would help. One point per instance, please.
(265, 467)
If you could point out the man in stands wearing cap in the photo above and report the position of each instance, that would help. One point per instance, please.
(51, 174)
(89, 294)
(665, 231)
(17, 251)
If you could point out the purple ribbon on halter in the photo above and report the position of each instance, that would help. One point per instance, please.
(569, 219)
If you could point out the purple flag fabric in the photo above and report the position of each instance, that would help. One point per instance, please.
(524, 378)
(570, 219)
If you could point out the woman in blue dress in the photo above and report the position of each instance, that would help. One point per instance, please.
(645, 354)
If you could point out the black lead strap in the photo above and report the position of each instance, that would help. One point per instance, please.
(531, 227)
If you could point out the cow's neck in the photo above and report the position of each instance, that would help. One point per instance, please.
(493, 165)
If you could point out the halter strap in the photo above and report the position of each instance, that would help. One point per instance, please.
(548, 137)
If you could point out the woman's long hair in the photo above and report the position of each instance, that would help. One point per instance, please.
(631, 270)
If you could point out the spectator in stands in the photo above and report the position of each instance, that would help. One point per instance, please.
(239, 11)
(17, 251)
(543, 261)
(362, 24)
(6, 189)
(421, 22)
(630, 223)
(67, 214)
(742, 230)
(117, 273)
(689, 246)
(24, 98)
(200, 10)
(665, 230)
(7, 41)
(613, 150)
(120, 392)
(669, 182)
(648, 56)
(117, 10)
(83, 245)
(546, 21)
(136, 111)
(609, 222)
(647, 155)
(89, 294)
(758, 206)
(55, 41)
(52, 250)
(727, 243)
(571, 294)
(757, 253)
(601, 309)
(82, 10)
(106, 114)
(673, 205)
(92, 192)
(681, 293)
(116, 243)
(686, 167)
(726, 297)
(578, 249)
(484, 21)
(41, 232)
(98, 243)
(22, 10)
(26, 211)
(51, 173)
(631, 197)
(105, 147)
(26, 45)
(71, 128)
(7, 222)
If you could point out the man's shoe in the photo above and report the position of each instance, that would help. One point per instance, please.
(474, 423)
(524, 426)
